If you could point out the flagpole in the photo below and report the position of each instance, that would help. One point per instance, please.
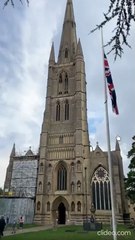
(109, 148)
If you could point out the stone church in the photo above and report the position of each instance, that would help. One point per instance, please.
(70, 175)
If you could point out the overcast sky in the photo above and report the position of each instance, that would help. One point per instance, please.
(26, 34)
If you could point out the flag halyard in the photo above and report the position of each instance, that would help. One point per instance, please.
(110, 86)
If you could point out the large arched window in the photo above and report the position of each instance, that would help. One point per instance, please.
(66, 83)
(66, 110)
(101, 189)
(62, 178)
(58, 111)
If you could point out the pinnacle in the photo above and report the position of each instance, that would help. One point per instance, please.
(13, 151)
(79, 50)
(52, 54)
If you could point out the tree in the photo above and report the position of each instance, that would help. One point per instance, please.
(124, 13)
(130, 181)
(13, 2)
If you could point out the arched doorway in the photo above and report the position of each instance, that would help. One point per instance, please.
(61, 213)
(60, 209)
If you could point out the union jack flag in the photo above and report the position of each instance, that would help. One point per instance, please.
(110, 85)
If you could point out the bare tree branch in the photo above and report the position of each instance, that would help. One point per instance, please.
(124, 12)
(12, 2)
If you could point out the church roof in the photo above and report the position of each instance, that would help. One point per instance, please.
(29, 153)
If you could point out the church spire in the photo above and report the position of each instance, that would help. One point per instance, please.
(117, 146)
(13, 151)
(79, 51)
(52, 55)
(68, 39)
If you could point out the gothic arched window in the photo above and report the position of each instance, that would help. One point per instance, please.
(66, 110)
(101, 189)
(66, 53)
(60, 78)
(78, 186)
(48, 206)
(60, 84)
(72, 207)
(58, 111)
(79, 206)
(62, 178)
(66, 83)
(38, 206)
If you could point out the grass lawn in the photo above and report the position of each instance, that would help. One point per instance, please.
(24, 226)
(77, 233)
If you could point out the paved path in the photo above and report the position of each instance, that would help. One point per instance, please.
(8, 232)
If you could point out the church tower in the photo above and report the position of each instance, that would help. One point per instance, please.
(64, 142)
(71, 178)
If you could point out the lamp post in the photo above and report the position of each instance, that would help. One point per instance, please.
(86, 193)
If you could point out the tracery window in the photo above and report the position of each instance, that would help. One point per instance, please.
(101, 189)
(62, 178)
(58, 111)
(79, 206)
(66, 110)
(72, 207)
